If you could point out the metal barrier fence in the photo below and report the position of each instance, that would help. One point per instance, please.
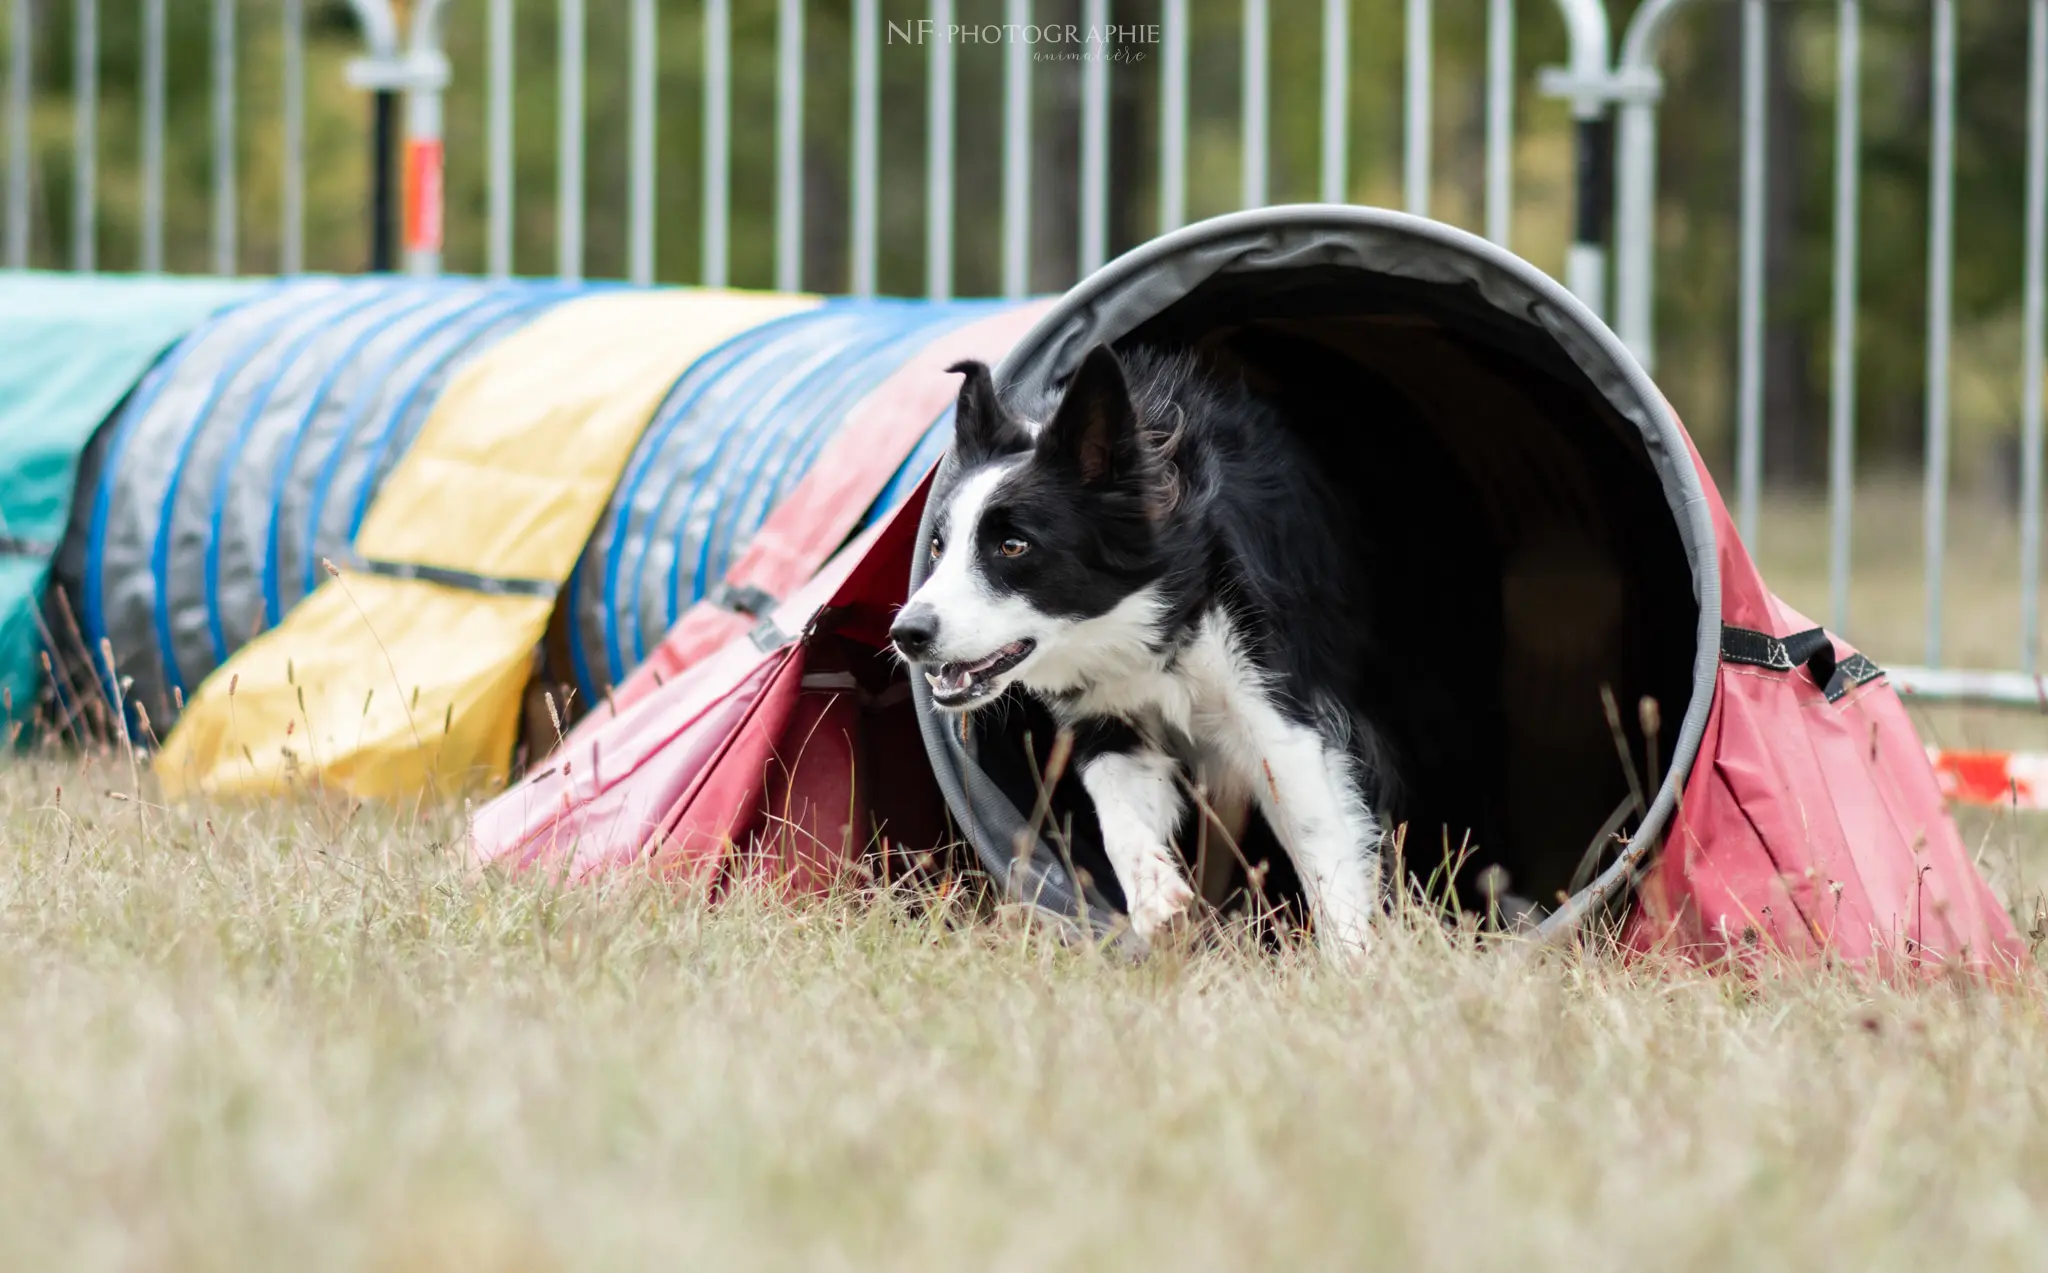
(1636, 92)
(406, 58)
(1614, 100)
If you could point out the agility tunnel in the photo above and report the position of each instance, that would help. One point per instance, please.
(527, 503)
(249, 456)
(73, 348)
(730, 442)
(1656, 741)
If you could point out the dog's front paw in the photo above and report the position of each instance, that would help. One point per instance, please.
(1158, 897)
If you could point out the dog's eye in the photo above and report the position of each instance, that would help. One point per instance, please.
(1013, 547)
(938, 546)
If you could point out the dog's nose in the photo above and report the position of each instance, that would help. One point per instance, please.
(916, 628)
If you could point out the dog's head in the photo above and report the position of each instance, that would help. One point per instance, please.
(1044, 547)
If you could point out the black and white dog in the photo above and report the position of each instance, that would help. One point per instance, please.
(1161, 563)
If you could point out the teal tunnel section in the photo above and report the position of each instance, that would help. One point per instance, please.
(250, 455)
(70, 349)
(733, 436)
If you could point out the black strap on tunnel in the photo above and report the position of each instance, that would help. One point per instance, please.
(489, 585)
(12, 547)
(1812, 649)
(741, 598)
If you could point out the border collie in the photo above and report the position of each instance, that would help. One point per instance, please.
(1161, 563)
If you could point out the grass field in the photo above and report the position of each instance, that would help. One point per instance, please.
(300, 1036)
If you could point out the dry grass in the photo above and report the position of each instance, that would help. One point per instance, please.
(291, 1037)
(298, 1036)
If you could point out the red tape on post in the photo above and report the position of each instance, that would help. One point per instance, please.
(423, 199)
(2009, 779)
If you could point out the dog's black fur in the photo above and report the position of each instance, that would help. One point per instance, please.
(1155, 471)
(1152, 471)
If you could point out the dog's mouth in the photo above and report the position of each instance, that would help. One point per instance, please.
(961, 684)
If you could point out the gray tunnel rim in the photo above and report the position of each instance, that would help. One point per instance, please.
(1113, 301)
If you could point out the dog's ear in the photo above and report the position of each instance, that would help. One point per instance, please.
(981, 428)
(1095, 431)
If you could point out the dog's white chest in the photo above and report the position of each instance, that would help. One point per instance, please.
(1209, 705)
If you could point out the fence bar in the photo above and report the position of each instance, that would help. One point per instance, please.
(292, 205)
(1500, 119)
(1016, 149)
(1635, 230)
(1749, 366)
(1964, 685)
(717, 139)
(150, 252)
(789, 145)
(867, 110)
(2036, 333)
(19, 62)
(1940, 262)
(569, 144)
(938, 162)
(640, 145)
(1336, 99)
(1842, 391)
(1635, 189)
(1173, 116)
(224, 136)
(1095, 139)
(85, 96)
(1255, 105)
(1416, 118)
(499, 250)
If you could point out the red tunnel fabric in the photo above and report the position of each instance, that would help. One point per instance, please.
(1812, 828)
(768, 760)
(621, 769)
(1809, 829)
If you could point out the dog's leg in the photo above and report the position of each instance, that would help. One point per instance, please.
(1138, 804)
(1309, 791)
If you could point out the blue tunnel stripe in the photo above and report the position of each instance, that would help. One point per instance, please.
(747, 496)
(766, 414)
(160, 549)
(93, 602)
(617, 526)
(714, 424)
(231, 455)
(273, 604)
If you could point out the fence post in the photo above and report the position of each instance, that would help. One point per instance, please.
(421, 72)
(789, 146)
(1749, 288)
(1588, 85)
(1842, 371)
(18, 167)
(1638, 88)
(2034, 336)
(1500, 119)
(85, 52)
(1417, 81)
(1941, 194)
(1254, 106)
(426, 70)
(292, 192)
(380, 35)
(569, 139)
(225, 198)
(1017, 148)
